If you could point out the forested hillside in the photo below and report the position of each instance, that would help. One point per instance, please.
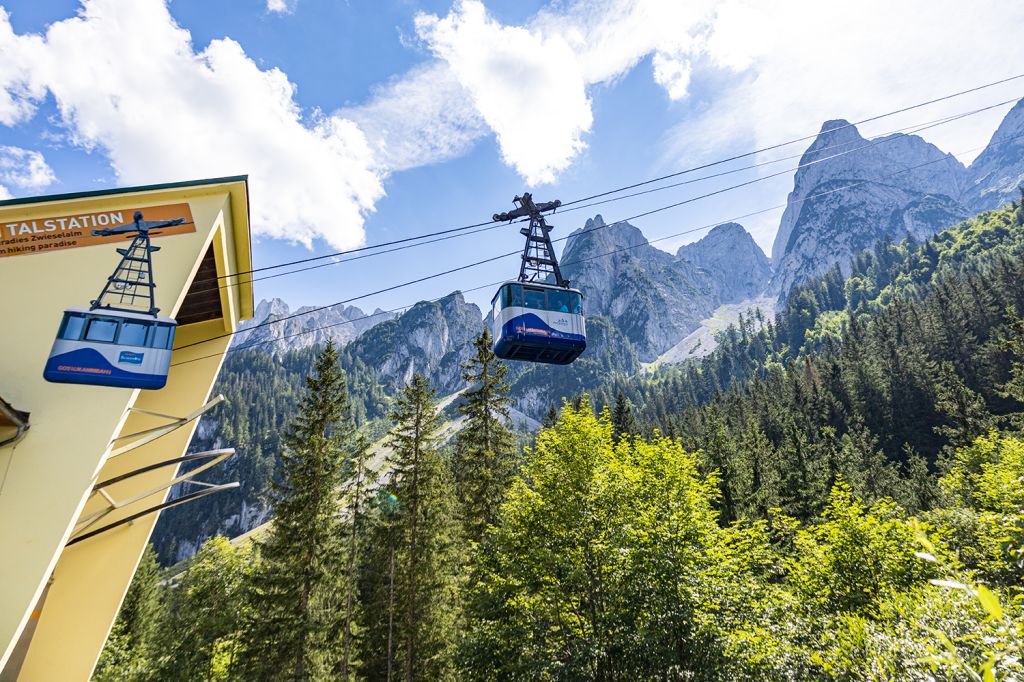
(967, 269)
(836, 495)
(262, 391)
(917, 330)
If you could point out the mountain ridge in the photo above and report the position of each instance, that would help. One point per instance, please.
(893, 187)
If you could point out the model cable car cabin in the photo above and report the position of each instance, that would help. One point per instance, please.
(119, 340)
(539, 317)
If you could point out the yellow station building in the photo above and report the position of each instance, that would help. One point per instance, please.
(61, 581)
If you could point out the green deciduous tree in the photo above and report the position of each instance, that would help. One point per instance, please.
(595, 571)
(201, 634)
(856, 556)
(133, 643)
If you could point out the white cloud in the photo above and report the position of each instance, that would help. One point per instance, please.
(128, 81)
(779, 69)
(529, 83)
(422, 118)
(525, 84)
(673, 74)
(281, 6)
(17, 90)
(24, 168)
(803, 62)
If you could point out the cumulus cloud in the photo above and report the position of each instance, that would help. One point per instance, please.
(778, 69)
(799, 63)
(525, 84)
(673, 74)
(424, 117)
(529, 83)
(24, 168)
(281, 6)
(127, 80)
(18, 91)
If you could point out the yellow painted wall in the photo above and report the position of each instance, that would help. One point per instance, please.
(46, 479)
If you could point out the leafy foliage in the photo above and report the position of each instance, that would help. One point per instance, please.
(835, 494)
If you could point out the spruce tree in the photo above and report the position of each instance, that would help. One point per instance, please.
(297, 594)
(720, 455)
(623, 420)
(550, 418)
(968, 416)
(484, 448)
(918, 493)
(411, 595)
(1012, 343)
(355, 494)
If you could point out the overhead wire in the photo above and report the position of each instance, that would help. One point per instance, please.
(884, 139)
(799, 139)
(593, 257)
(709, 164)
(598, 227)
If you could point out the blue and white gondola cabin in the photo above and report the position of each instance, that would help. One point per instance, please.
(538, 323)
(111, 348)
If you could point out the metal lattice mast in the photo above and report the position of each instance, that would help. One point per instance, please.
(130, 287)
(539, 260)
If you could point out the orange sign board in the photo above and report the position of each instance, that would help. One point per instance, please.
(40, 235)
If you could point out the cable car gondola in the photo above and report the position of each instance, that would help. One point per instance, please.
(122, 343)
(535, 320)
(111, 348)
(538, 323)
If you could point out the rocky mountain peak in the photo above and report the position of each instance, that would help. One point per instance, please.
(598, 255)
(597, 237)
(833, 132)
(652, 297)
(275, 326)
(732, 258)
(850, 192)
(432, 337)
(720, 233)
(999, 170)
(265, 309)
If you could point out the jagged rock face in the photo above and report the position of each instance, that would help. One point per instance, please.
(733, 259)
(995, 175)
(595, 275)
(842, 205)
(652, 297)
(432, 338)
(342, 324)
(836, 226)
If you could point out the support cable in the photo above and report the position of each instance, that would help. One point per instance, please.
(594, 257)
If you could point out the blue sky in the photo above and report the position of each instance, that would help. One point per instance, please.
(361, 122)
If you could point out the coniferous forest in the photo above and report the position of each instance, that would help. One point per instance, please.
(833, 494)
